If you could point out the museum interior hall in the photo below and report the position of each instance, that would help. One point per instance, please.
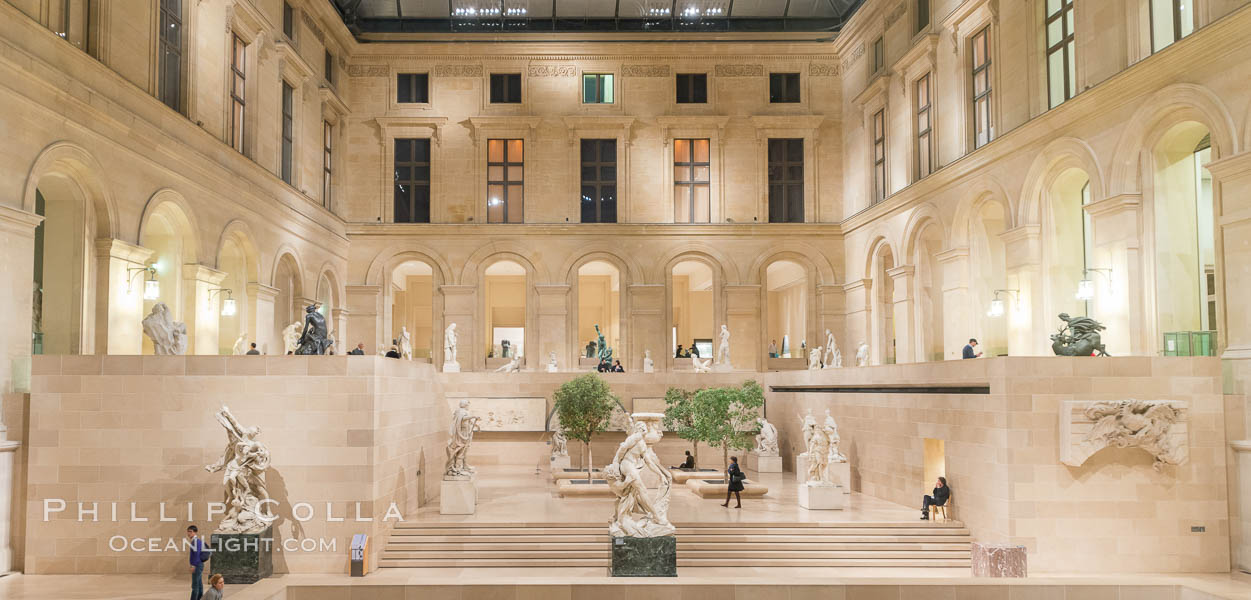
(576, 299)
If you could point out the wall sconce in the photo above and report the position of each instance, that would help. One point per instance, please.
(229, 309)
(996, 305)
(151, 287)
(1086, 287)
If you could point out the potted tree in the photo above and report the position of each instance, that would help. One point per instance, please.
(584, 404)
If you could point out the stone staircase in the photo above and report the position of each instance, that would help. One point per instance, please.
(865, 544)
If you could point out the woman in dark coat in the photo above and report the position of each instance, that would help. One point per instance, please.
(734, 477)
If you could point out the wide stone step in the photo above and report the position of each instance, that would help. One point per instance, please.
(748, 554)
(723, 530)
(682, 525)
(690, 562)
(685, 543)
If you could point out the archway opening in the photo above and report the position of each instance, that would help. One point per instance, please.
(988, 278)
(883, 345)
(505, 294)
(786, 294)
(1185, 257)
(599, 303)
(412, 306)
(288, 282)
(170, 236)
(930, 332)
(692, 309)
(62, 298)
(1069, 245)
(233, 260)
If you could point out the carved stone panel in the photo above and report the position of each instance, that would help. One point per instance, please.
(552, 71)
(1159, 427)
(645, 71)
(740, 70)
(506, 414)
(368, 71)
(458, 70)
(822, 70)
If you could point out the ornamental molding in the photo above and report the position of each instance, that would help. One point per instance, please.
(823, 70)
(856, 53)
(1160, 427)
(552, 71)
(313, 27)
(368, 70)
(894, 15)
(457, 71)
(739, 70)
(645, 70)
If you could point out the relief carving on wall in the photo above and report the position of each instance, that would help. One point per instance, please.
(851, 58)
(823, 70)
(1158, 426)
(552, 71)
(740, 70)
(368, 71)
(313, 27)
(645, 70)
(458, 70)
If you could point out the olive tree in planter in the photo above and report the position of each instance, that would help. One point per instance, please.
(680, 418)
(585, 405)
(724, 417)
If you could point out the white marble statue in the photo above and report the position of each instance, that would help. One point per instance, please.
(701, 366)
(862, 355)
(169, 337)
(818, 451)
(560, 443)
(723, 348)
(832, 358)
(767, 439)
(814, 359)
(241, 344)
(649, 366)
(291, 337)
(450, 364)
(406, 344)
(552, 366)
(512, 366)
(639, 513)
(831, 432)
(460, 435)
(243, 464)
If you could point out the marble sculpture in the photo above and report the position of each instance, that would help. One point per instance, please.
(241, 344)
(406, 344)
(460, 436)
(832, 358)
(291, 338)
(450, 364)
(701, 366)
(551, 362)
(560, 443)
(243, 464)
(1135, 424)
(814, 359)
(723, 348)
(512, 366)
(817, 442)
(315, 339)
(831, 432)
(169, 337)
(862, 355)
(649, 366)
(767, 439)
(638, 513)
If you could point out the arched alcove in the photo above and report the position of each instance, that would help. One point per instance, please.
(599, 303)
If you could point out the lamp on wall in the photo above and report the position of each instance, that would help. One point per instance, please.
(151, 287)
(996, 305)
(228, 305)
(1086, 287)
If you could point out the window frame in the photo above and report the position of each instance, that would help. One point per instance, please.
(985, 98)
(787, 184)
(692, 184)
(878, 155)
(695, 76)
(164, 87)
(521, 95)
(924, 138)
(288, 21)
(426, 91)
(287, 102)
(506, 182)
(237, 126)
(878, 56)
(1175, 10)
(611, 84)
(921, 8)
(328, 68)
(1067, 46)
(600, 183)
(327, 163)
(790, 82)
(412, 181)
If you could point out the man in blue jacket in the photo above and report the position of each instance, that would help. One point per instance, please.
(970, 349)
(197, 563)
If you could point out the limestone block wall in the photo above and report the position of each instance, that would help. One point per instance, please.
(1113, 513)
(131, 429)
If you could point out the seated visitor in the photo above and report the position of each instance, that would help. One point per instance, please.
(216, 584)
(689, 463)
(617, 368)
(679, 353)
(393, 352)
(693, 351)
(358, 350)
(604, 366)
(939, 498)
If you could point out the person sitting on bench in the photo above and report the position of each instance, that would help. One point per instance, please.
(689, 463)
(939, 498)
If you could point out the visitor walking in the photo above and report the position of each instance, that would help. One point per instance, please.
(939, 498)
(217, 584)
(197, 558)
(734, 483)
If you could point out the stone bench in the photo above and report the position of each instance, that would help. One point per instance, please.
(715, 488)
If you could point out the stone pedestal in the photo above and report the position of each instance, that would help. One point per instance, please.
(722, 368)
(242, 557)
(458, 495)
(644, 557)
(764, 464)
(801, 467)
(451, 367)
(990, 560)
(8, 451)
(559, 463)
(840, 474)
(649, 368)
(821, 497)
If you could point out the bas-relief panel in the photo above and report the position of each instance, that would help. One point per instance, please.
(1156, 426)
(505, 414)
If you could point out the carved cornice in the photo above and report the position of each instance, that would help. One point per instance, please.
(457, 71)
(690, 123)
(1114, 204)
(479, 125)
(878, 87)
(16, 220)
(552, 71)
(584, 124)
(739, 71)
(289, 59)
(645, 71)
(330, 99)
(260, 290)
(433, 124)
(120, 250)
(923, 52)
(855, 54)
(198, 272)
(368, 70)
(770, 125)
(817, 69)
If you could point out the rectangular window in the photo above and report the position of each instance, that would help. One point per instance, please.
(923, 15)
(1061, 75)
(599, 181)
(692, 88)
(170, 82)
(879, 55)
(1171, 20)
(597, 88)
(505, 88)
(328, 68)
(288, 129)
(783, 87)
(327, 164)
(691, 177)
(288, 21)
(412, 180)
(786, 180)
(983, 124)
(879, 156)
(505, 181)
(924, 127)
(412, 88)
(238, 77)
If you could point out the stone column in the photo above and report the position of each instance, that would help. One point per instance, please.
(8, 454)
(264, 326)
(830, 307)
(1231, 184)
(858, 299)
(553, 334)
(459, 307)
(646, 325)
(903, 280)
(366, 322)
(339, 322)
(957, 313)
(1116, 223)
(17, 250)
(742, 315)
(1024, 308)
(119, 297)
(202, 307)
(1240, 530)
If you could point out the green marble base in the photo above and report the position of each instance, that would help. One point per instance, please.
(644, 557)
(243, 557)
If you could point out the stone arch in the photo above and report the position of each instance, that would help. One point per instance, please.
(628, 273)
(76, 163)
(168, 227)
(718, 260)
(380, 268)
(820, 267)
(1057, 157)
(883, 257)
(925, 215)
(627, 265)
(239, 232)
(328, 271)
(238, 259)
(287, 255)
(982, 190)
(381, 273)
(479, 262)
(1167, 107)
(696, 253)
(925, 237)
(814, 278)
(495, 251)
(169, 204)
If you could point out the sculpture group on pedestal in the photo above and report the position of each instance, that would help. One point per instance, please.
(817, 444)
(406, 344)
(243, 464)
(767, 439)
(814, 359)
(315, 340)
(832, 359)
(605, 353)
(450, 365)
(560, 442)
(831, 433)
(169, 337)
(460, 436)
(639, 514)
(1078, 337)
(862, 355)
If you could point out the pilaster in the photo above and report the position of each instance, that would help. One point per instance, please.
(364, 305)
(263, 325)
(119, 297)
(458, 307)
(903, 280)
(646, 325)
(553, 334)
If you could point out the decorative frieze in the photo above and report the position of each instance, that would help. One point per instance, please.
(458, 70)
(740, 70)
(823, 70)
(1157, 426)
(552, 71)
(851, 58)
(894, 15)
(645, 71)
(368, 70)
(312, 26)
